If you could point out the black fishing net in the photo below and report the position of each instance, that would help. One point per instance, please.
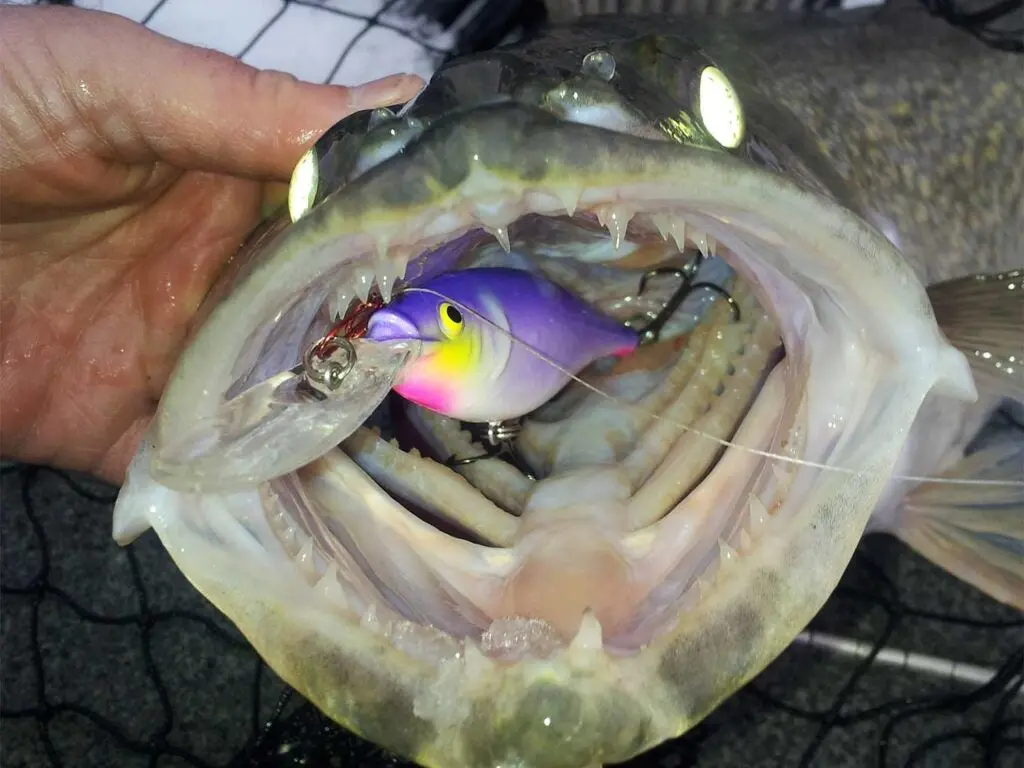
(110, 658)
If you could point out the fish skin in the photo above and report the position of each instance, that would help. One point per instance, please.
(907, 119)
(499, 367)
(593, 710)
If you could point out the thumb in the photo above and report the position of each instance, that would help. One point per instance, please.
(147, 97)
(227, 117)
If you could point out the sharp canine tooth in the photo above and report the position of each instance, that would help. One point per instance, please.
(501, 235)
(677, 227)
(663, 224)
(570, 198)
(780, 474)
(339, 303)
(726, 555)
(330, 589)
(382, 245)
(389, 270)
(589, 636)
(701, 240)
(363, 281)
(758, 513)
(616, 219)
(370, 621)
(746, 543)
(305, 559)
(289, 540)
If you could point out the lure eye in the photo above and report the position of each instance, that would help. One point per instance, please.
(451, 320)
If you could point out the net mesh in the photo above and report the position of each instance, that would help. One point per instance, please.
(110, 657)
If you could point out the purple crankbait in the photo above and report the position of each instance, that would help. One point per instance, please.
(497, 343)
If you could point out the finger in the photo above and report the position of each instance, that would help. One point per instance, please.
(144, 96)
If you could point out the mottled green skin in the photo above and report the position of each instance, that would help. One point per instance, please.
(915, 120)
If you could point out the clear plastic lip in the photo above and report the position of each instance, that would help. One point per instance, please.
(277, 426)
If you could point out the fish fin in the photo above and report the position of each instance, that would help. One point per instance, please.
(983, 317)
(976, 532)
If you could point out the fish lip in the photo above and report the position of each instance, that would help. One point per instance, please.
(389, 325)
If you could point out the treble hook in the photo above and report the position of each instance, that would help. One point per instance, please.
(652, 331)
(497, 438)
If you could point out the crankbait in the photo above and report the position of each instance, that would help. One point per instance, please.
(496, 344)
(489, 337)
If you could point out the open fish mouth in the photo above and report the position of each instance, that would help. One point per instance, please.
(610, 588)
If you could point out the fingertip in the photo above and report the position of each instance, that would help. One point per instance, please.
(392, 89)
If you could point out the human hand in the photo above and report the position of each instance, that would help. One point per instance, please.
(132, 167)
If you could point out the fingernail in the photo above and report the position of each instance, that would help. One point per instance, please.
(387, 90)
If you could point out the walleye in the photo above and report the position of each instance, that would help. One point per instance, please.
(679, 526)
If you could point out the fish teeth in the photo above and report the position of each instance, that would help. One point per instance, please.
(289, 540)
(758, 514)
(589, 636)
(746, 543)
(338, 303)
(371, 621)
(727, 557)
(415, 453)
(781, 475)
(305, 560)
(569, 198)
(498, 213)
(663, 223)
(383, 241)
(700, 239)
(362, 283)
(501, 235)
(329, 588)
(677, 230)
(616, 220)
(388, 274)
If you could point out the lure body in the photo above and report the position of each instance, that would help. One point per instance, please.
(489, 344)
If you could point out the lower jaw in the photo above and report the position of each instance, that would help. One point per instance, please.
(713, 501)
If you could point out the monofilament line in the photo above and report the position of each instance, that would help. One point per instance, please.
(693, 430)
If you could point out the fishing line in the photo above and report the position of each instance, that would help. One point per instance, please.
(687, 428)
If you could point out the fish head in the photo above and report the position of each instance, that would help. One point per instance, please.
(447, 373)
(641, 571)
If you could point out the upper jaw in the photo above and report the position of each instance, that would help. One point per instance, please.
(487, 167)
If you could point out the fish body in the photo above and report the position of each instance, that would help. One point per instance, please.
(498, 342)
(861, 192)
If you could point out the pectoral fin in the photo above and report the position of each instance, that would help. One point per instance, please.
(976, 532)
(983, 317)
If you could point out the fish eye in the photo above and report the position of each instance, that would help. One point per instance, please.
(451, 320)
